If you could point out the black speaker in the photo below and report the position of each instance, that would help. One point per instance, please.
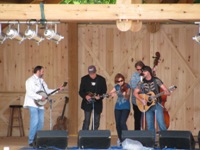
(99, 139)
(147, 138)
(199, 138)
(51, 138)
(176, 139)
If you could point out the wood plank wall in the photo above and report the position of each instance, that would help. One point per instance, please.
(111, 51)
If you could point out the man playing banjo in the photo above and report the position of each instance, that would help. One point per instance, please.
(34, 84)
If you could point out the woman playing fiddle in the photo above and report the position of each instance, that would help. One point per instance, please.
(122, 106)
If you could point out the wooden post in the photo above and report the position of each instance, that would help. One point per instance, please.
(73, 77)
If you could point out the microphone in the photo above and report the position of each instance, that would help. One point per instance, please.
(141, 78)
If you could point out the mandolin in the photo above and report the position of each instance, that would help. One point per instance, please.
(61, 123)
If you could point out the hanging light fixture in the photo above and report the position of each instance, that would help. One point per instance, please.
(2, 36)
(33, 35)
(13, 33)
(30, 33)
(51, 34)
(197, 37)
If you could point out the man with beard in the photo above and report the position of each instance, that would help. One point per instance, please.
(34, 84)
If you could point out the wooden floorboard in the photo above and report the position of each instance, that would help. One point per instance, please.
(16, 143)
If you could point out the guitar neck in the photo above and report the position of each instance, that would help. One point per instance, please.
(53, 91)
(66, 101)
(159, 94)
(63, 111)
(64, 84)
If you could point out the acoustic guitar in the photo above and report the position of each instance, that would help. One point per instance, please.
(61, 123)
(151, 99)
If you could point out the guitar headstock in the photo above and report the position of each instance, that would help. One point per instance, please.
(66, 99)
(64, 84)
(172, 88)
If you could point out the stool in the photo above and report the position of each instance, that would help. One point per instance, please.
(18, 116)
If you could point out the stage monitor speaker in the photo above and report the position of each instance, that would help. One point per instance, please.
(51, 138)
(176, 139)
(199, 138)
(147, 138)
(97, 139)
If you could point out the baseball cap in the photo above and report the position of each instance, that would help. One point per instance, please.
(92, 69)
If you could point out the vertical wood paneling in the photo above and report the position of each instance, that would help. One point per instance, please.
(17, 62)
(111, 51)
(175, 67)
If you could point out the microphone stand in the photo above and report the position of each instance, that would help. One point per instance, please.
(50, 110)
(93, 114)
(50, 113)
(92, 101)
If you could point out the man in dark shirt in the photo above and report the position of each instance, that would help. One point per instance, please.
(151, 84)
(92, 87)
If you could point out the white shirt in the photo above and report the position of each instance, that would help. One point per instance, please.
(33, 85)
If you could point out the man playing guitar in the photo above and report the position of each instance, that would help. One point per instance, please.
(34, 84)
(151, 84)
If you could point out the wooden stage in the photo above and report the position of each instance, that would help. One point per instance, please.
(16, 143)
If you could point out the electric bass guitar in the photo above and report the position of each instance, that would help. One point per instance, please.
(151, 99)
(40, 102)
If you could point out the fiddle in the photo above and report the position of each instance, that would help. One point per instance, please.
(124, 88)
(125, 91)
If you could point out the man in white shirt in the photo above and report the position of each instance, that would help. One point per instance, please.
(34, 84)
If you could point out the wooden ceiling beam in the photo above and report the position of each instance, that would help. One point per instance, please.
(95, 12)
(52, 1)
(30, 1)
(8, 1)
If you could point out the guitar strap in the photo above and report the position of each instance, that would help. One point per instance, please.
(156, 87)
(43, 87)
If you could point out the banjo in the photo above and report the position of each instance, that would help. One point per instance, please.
(40, 102)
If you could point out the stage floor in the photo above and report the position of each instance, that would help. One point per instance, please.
(17, 143)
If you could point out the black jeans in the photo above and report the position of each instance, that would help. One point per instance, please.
(86, 122)
(137, 117)
(121, 117)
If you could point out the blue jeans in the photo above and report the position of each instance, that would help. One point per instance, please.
(150, 114)
(86, 122)
(36, 122)
(121, 117)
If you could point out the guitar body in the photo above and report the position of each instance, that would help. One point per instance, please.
(146, 97)
(151, 99)
(61, 123)
(40, 102)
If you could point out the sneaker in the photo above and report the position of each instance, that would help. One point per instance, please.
(118, 142)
